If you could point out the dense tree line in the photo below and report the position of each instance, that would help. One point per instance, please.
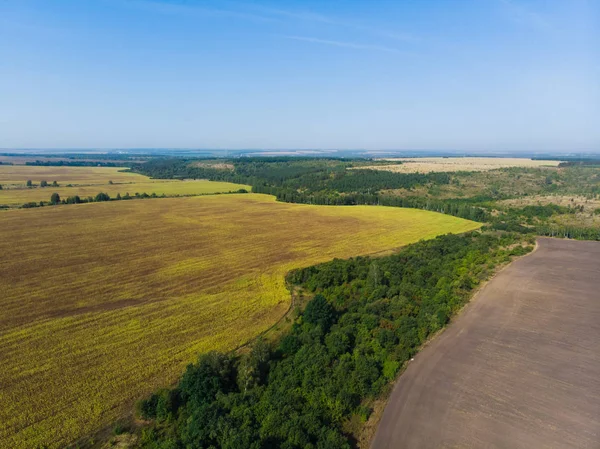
(570, 232)
(294, 174)
(55, 198)
(581, 162)
(368, 317)
(456, 207)
(180, 168)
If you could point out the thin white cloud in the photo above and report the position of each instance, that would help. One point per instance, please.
(319, 18)
(175, 8)
(255, 12)
(405, 37)
(522, 15)
(353, 45)
(306, 16)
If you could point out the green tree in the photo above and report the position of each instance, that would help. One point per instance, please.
(252, 368)
(73, 200)
(55, 198)
(319, 312)
(29, 183)
(44, 183)
(54, 184)
(102, 197)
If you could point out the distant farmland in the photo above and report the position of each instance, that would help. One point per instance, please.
(89, 181)
(18, 175)
(18, 197)
(453, 164)
(105, 302)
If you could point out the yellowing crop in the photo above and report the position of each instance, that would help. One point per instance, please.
(89, 181)
(102, 303)
(18, 197)
(18, 175)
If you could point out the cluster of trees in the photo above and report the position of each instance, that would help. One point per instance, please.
(581, 162)
(76, 199)
(368, 316)
(570, 232)
(537, 220)
(179, 168)
(518, 219)
(371, 181)
(100, 197)
(55, 199)
(44, 183)
(456, 207)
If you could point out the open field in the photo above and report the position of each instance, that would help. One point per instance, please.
(517, 369)
(24, 158)
(17, 197)
(17, 175)
(453, 164)
(104, 302)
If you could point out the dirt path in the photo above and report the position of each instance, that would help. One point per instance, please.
(519, 368)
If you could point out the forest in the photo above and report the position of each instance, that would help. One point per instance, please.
(471, 195)
(366, 319)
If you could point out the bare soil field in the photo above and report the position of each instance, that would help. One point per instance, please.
(453, 164)
(519, 368)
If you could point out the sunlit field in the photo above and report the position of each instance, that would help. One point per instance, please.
(18, 197)
(104, 302)
(453, 164)
(18, 175)
(89, 181)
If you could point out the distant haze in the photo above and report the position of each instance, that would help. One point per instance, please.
(470, 76)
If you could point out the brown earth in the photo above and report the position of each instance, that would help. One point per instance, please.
(519, 368)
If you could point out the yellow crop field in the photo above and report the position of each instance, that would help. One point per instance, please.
(453, 164)
(20, 196)
(17, 175)
(101, 303)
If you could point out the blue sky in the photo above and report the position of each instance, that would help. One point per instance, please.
(486, 75)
